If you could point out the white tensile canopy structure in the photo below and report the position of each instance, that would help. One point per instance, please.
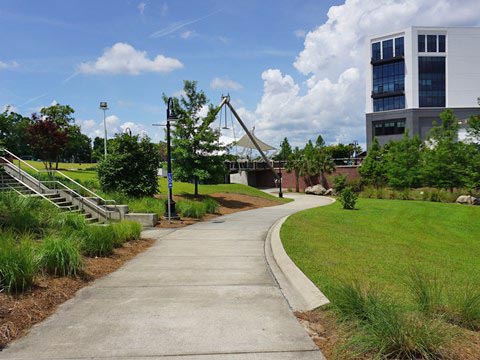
(248, 146)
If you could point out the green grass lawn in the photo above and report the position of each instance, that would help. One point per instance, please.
(383, 241)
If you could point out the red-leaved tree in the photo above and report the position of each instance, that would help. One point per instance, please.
(47, 141)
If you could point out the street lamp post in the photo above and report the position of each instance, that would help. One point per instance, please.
(282, 155)
(104, 107)
(171, 116)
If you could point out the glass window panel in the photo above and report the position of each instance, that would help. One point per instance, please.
(399, 46)
(376, 55)
(421, 43)
(387, 49)
(431, 81)
(432, 43)
(441, 43)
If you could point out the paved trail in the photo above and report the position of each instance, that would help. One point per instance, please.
(201, 292)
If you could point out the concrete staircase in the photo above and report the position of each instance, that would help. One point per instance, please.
(67, 195)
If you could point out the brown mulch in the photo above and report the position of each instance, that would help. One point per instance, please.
(18, 313)
(229, 203)
(329, 335)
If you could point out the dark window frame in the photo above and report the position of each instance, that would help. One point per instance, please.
(389, 127)
(421, 43)
(432, 43)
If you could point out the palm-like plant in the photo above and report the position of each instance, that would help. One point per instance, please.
(296, 164)
(325, 165)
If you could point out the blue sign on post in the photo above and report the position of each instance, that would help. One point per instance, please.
(170, 180)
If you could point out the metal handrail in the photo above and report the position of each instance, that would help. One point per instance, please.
(82, 198)
(86, 189)
(36, 192)
(21, 172)
(105, 201)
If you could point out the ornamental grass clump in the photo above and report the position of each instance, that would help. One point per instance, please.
(125, 231)
(18, 263)
(211, 205)
(97, 240)
(192, 209)
(60, 256)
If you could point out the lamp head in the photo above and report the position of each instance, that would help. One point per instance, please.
(103, 105)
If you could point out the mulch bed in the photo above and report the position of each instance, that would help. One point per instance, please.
(18, 313)
(229, 203)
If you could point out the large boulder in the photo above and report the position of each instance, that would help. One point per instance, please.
(468, 200)
(315, 190)
(329, 192)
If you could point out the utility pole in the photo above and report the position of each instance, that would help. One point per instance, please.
(104, 107)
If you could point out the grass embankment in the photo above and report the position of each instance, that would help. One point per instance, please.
(86, 174)
(404, 274)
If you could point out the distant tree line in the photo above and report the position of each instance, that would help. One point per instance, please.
(442, 161)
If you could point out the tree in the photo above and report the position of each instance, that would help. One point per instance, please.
(13, 132)
(131, 167)
(295, 165)
(285, 151)
(403, 162)
(47, 141)
(60, 114)
(79, 147)
(372, 169)
(448, 129)
(473, 129)
(195, 143)
(325, 164)
(319, 143)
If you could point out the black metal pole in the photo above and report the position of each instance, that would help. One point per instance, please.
(280, 192)
(170, 211)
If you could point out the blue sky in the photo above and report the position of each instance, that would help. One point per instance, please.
(293, 68)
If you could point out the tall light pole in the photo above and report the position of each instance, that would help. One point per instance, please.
(104, 107)
(170, 212)
(282, 158)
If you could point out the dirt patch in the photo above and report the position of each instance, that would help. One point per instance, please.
(229, 203)
(18, 313)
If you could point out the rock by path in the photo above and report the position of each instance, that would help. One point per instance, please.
(201, 292)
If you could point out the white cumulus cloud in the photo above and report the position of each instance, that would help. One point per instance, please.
(330, 100)
(225, 84)
(123, 58)
(8, 65)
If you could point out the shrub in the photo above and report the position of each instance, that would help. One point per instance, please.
(339, 183)
(97, 240)
(68, 221)
(192, 209)
(348, 198)
(18, 263)
(125, 231)
(131, 167)
(368, 192)
(60, 256)
(211, 206)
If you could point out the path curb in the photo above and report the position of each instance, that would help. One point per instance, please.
(299, 291)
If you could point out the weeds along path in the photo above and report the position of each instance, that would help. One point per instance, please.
(200, 292)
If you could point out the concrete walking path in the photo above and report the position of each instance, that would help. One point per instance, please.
(199, 293)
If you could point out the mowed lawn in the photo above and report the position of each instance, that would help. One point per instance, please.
(78, 172)
(383, 241)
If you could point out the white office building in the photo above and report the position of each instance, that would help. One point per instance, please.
(415, 74)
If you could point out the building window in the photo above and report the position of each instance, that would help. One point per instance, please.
(388, 127)
(389, 103)
(387, 47)
(388, 78)
(441, 43)
(376, 52)
(399, 47)
(421, 43)
(431, 81)
(432, 43)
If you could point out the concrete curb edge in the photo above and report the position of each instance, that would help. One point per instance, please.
(299, 291)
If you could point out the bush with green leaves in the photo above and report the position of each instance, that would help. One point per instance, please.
(59, 255)
(131, 167)
(339, 183)
(18, 263)
(348, 198)
(211, 206)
